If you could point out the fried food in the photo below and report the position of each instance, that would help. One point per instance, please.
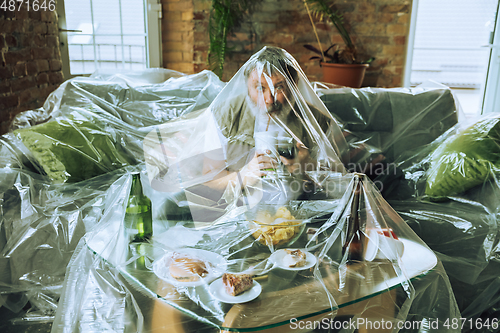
(276, 229)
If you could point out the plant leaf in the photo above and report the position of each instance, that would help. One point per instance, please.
(312, 48)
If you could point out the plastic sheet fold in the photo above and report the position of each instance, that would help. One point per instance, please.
(237, 173)
(58, 160)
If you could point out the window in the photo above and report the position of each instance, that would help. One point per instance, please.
(109, 35)
(447, 44)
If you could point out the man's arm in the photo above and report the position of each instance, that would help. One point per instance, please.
(248, 175)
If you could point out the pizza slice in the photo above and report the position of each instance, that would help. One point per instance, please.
(236, 284)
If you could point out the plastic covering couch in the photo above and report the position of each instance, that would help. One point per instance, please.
(407, 126)
(43, 220)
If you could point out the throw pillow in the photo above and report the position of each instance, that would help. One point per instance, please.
(465, 160)
(73, 150)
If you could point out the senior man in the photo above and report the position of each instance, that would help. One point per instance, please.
(222, 162)
(271, 92)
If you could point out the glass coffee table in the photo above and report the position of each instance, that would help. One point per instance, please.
(329, 293)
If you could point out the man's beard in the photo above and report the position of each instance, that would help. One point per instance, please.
(276, 109)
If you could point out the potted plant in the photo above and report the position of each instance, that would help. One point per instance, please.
(341, 65)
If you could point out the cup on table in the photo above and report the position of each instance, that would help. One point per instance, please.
(383, 244)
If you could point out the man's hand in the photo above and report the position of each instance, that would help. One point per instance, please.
(258, 167)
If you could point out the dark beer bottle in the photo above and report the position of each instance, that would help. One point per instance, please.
(138, 214)
(354, 244)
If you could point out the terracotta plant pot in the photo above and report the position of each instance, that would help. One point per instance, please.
(349, 75)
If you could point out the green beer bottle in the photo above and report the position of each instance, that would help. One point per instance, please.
(138, 215)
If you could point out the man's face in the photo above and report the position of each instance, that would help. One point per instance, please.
(267, 92)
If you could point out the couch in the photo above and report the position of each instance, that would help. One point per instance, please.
(41, 221)
(406, 126)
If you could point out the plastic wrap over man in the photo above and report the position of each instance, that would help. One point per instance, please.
(267, 137)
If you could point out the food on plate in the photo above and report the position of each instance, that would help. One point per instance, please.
(236, 284)
(184, 268)
(275, 229)
(294, 258)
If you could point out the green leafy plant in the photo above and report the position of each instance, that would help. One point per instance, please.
(225, 17)
(333, 54)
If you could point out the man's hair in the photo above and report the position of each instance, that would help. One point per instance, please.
(278, 61)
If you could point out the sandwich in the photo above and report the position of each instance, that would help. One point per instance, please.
(187, 269)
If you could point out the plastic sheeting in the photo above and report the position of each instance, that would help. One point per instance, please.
(184, 144)
(110, 287)
(53, 175)
(426, 151)
(266, 135)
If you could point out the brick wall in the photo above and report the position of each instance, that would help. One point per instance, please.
(30, 61)
(379, 28)
(177, 34)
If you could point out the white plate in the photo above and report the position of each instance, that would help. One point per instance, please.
(218, 291)
(217, 267)
(277, 259)
(382, 247)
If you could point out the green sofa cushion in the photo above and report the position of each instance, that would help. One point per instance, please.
(73, 150)
(465, 160)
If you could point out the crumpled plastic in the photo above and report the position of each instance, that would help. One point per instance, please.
(41, 218)
(386, 284)
(461, 227)
(114, 286)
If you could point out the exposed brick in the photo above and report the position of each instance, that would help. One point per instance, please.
(397, 29)
(20, 69)
(32, 67)
(395, 8)
(9, 15)
(48, 16)
(173, 16)
(42, 78)
(387, 18)
(39, 40)
(22, 84)
(13, 57)
(55, 65)
(172, 36)
(180, 6)
(199, 16)
(403, 18)
(8, 102)
(39, 28)
(56, 78)
(187, 16)
(22, 14)
(172, 56)
(178, 26)
(201, 5)
(11, 41)
(176, 46)
(367, 7)
(394, 49)
(399, 40)
(28, 96)
(5, 73)
(52, 29)
(42, 53)
(4, 87)
(52, 41)
(35, 15)
(43, 65)
(182, 67)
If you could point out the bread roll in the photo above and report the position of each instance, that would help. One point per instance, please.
(187, 269)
